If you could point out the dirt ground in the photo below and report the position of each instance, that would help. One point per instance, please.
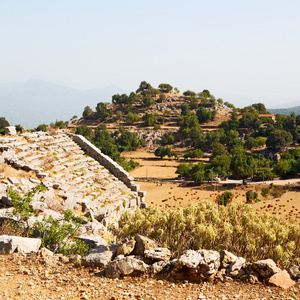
(32, 278)
(154, 176)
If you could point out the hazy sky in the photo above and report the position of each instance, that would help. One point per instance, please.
(243, 51)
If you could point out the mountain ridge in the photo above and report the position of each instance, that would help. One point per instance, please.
(34, 101)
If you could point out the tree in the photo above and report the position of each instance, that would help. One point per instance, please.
(102, 110)
(185, 109)
(119, 99)
(234, 144)
(197, 137)
(231, 135)
(194, 102)
(147, 101)
(282, 167)
(221, 164)
(119, 115)
(74, 118)
(229, 105)
(250, 121)
(260, 107)
(143, 88)
(205, 115)
(162, 151)
(3, 123)
(19, 128)
(168, 138)
(162, 97)
(198, 173)
(196, 153)
(42, 127)
(132, 118)
(189, 93)
(242, 165)
(278, 139)
(165, 87)
(128, 141)
(220, 101)
(87, 112)
(219, 149)
(131, 98)
(184, 170)
(85, 131)
(149, 119)
(212, 138)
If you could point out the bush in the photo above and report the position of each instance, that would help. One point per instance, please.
(42, 127)
(57, 236)
(209, 226)
(251, 196)
(197, 153)
(156, 127)
(132, 118)
(168, 138)
(225, 198)
(149, 119)
(265, 191)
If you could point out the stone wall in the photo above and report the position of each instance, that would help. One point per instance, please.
(109, 164)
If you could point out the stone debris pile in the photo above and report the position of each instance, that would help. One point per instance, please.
(193, 266)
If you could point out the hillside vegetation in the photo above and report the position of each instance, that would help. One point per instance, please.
(240, 142)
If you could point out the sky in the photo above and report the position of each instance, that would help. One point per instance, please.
(240, 50)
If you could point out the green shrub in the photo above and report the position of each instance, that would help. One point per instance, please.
(251, 196)
(57, 236)
(265, 191)
(156, 127)
(225, 198)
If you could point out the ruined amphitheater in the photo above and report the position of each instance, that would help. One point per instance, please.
(77, 176)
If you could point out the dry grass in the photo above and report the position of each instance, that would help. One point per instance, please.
(9, 227)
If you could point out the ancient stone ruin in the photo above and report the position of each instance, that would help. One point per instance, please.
(77, 176)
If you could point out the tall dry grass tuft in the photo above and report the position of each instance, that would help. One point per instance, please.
(238, 229)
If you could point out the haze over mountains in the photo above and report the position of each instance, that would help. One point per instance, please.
(34, 102)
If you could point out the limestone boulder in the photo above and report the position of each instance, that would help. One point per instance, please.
(226, 258)
(39, 206)
(126, 248)
(236, 266)
(197, 265)
(10, 244)
(282, 280)
(92, 241)
(265, 268)
(294, 272)
(123, 266)
(158, 254)
(10, 130)
(143, 243)
(158, 266)
(100, 256)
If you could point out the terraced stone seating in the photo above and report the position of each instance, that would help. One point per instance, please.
(90, 186)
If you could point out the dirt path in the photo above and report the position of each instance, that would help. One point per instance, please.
(31, 278)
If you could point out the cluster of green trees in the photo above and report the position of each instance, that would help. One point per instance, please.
(163, 151)
(112, 144)
(240, 164)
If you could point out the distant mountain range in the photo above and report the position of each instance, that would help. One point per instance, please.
(285, 111)
(34, 102)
